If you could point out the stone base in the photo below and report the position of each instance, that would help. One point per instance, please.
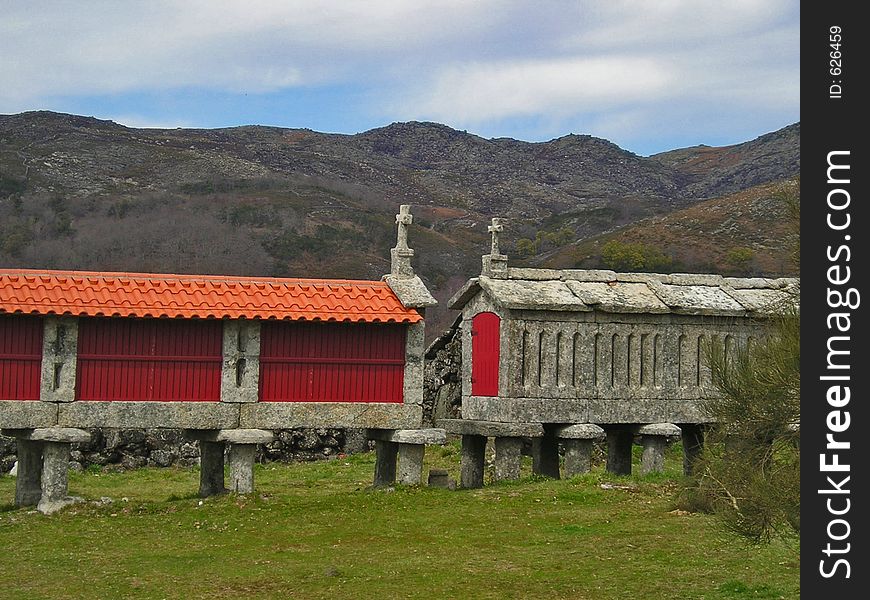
(408, 446)
(241, 450)
(43, 466)
(654, 439)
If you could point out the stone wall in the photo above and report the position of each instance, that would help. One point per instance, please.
(131, 448)
(442, 387)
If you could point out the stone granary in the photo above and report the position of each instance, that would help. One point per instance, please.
(571, 356)
(228, 359)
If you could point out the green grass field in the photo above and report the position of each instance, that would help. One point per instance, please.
(316, 530)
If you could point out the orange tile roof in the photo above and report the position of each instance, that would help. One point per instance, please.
(201, 296)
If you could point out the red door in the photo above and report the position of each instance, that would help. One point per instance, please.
(485, 354)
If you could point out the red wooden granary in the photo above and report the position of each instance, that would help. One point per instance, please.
(88, 349)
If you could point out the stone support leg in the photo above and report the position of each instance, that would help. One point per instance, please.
(619, 443)
(578, 456)
(410, 469)
(472, 461)
(653, 458)
(545, 456)
(385, 463)
(28, 483)
(211, 468)
(241, 459)
(693, 444)
(508, 458)
(55, 477)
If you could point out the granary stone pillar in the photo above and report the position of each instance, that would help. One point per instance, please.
(59, 350)
(241, 445)
(241, 459)
(578, 441)
(693, 445)
(240, 370)
(508, 458)
(242, 450)
(385, 462)
(43, 466)
(55, 475)
(619, 442)
(654, 439)
(410, 464)
(474, 434)
(28, 482)
(472, 461)
(211, 468)
(545, 455)
(409, 445)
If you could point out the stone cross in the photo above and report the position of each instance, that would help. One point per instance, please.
(403, 219)
(494, 229)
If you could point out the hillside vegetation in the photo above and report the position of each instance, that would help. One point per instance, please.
(82, 193)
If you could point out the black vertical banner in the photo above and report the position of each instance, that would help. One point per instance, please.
(835, 424)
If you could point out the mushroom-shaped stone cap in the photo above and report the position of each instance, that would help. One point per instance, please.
(581, 431)
(665, 429)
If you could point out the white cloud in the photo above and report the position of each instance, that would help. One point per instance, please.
(616, 64)
(485, 91)
(108, 47)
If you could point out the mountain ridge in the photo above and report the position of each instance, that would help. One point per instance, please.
(80, 192)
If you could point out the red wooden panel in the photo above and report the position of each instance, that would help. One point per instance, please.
(149, 359)
(20, 357)
(485, 352)
(332, 362)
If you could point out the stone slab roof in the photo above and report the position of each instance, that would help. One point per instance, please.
(82, 293)
(650, 293)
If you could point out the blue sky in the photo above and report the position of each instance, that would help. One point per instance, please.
(650, 76)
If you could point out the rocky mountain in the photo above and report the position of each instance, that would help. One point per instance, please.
(78, 192)
(750, 232)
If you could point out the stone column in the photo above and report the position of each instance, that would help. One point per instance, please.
(693, 444)
(578, 457)
(619, 442)
(43, 461)
(211, 468)
(240, 370)
(385, 462)
(59, 352)
(241, 447)
(241, 459)
(410, 468)
(410, 446)
(472, 461)
(28, 482)
(508, 458)
(545, 455)
(654, 439)
(578, 441)
(55, 469)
